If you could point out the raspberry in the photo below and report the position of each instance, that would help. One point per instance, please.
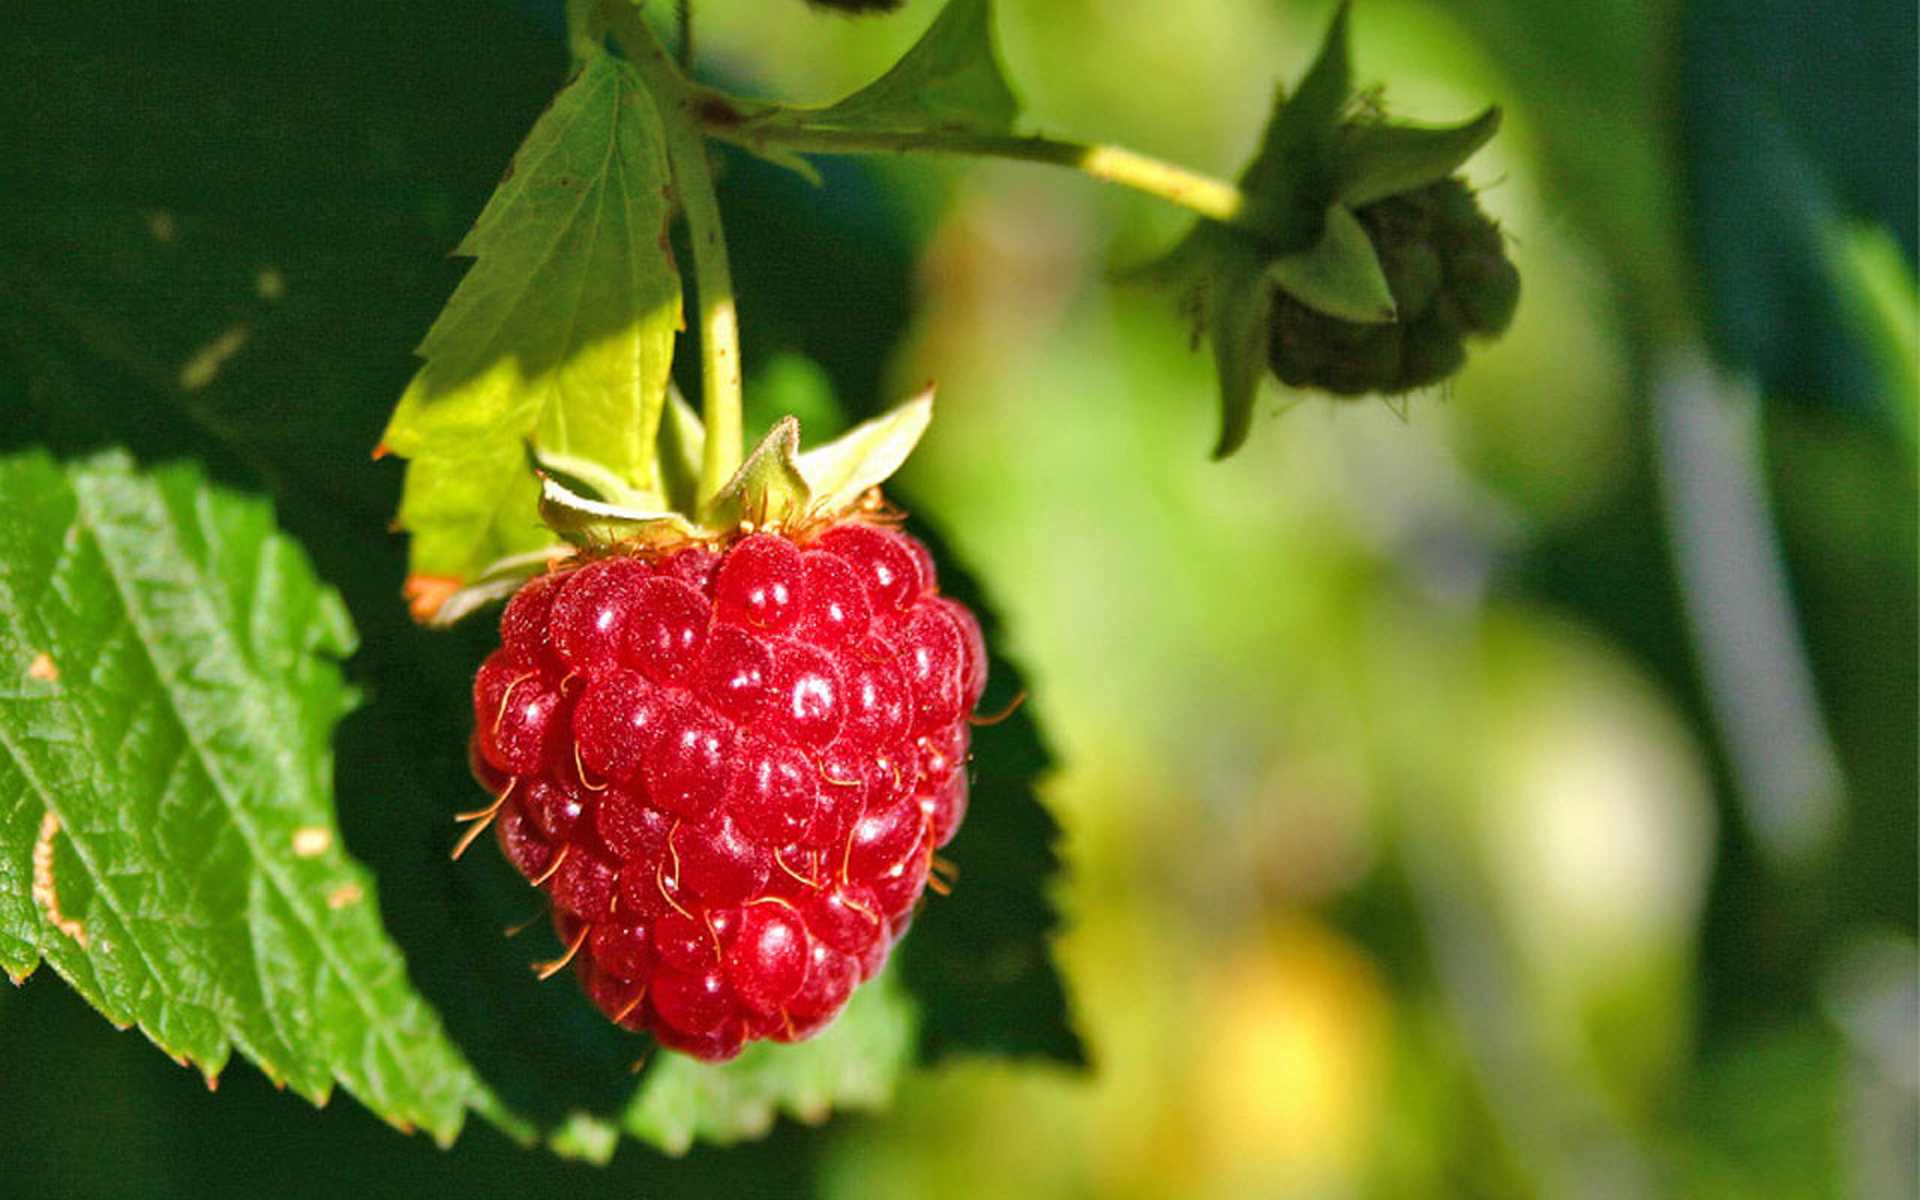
(729, 770)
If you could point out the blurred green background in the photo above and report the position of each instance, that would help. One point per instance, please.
(1513, 796)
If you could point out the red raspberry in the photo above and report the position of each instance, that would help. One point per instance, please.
(729, 772)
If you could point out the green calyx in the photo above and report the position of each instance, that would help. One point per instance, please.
(1359, 263)
(778, 487)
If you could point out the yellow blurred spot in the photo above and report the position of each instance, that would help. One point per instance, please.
(201, 370)
(43, 668)
(312, 841)
(160, 225)
(343, 895)
(1290, 1073)
(270, 284)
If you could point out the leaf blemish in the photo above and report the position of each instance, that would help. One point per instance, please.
(44, 893)
(42, 668)
(343, 895)
(312, 841)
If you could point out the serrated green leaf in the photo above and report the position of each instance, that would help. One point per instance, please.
(1340, 275)
(950, 80)
(769, 486)
(168, 690)
(1374, 161)
(840, 471)
(561, 334)
(854, 1064)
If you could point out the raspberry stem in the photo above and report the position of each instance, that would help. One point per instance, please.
(678, 99)
(1213, 198)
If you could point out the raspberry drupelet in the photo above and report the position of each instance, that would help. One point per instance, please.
(729, 770)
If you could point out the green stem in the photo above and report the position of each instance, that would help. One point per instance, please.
(679, 99)
(1212, 198)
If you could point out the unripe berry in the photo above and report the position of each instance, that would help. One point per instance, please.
(1446, 265)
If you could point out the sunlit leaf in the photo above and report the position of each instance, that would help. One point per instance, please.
(167, 832)
(561, 334)
(866, 455)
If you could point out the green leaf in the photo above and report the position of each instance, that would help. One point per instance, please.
(588, 520)
(854, 1064)
(769, 486)
(1240, 325)
(1374, 161)
(867, 455)
(1291, 179)
(561, 334)
(167, 834)
(1224, 278)
(950, 80)
(683, 439)
(1340, 275)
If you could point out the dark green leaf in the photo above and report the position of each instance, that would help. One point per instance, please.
(950, 80)
(1240, 325)
(167, 835)
(1224, 279)
(980, 961)
(1374, 161)
(562, 333)
(1340, 274)
(1291, 180)
(1794, 122)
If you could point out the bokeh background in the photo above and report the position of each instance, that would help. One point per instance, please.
(1509, 793)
